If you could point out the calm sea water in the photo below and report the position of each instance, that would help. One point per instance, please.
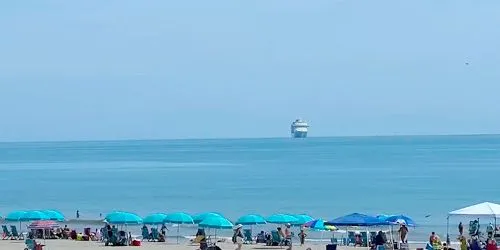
(420, 176)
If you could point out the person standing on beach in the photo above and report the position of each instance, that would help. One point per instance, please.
(403, 233)
(288, 236)
(238, 236)
(302, 236)
(461, 229)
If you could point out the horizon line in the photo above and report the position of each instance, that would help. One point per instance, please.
(250, 138)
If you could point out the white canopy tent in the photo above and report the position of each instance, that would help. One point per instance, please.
(485, 209)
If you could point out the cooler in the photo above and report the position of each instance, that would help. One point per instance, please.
(136, 243)
(331, 247)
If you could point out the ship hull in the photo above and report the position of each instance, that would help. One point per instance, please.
(299, 134)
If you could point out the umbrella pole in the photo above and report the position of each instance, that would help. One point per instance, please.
(178, 225)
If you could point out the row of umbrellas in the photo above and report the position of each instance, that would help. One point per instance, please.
(216, 220)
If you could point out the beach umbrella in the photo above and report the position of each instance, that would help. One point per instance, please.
(200, 217)
(400, 219)
(251, 219)
(123, 218)
(155, 219)
(54, 215)
(357, 219)
(34, 215)
(15, 215)
(301, 219)
(281, 219)
(319, 225)
(216, 222)
(179, 218)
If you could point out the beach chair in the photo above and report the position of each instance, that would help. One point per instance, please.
(155, 235)
(276, 239)
(30, 244)
(6, 234)
(145, 234)
(351, 238)
(364, 238)
(15, 234)
(248, 236)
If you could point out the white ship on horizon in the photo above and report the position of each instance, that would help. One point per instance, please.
(299, 128)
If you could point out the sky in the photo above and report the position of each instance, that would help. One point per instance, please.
(118, 69)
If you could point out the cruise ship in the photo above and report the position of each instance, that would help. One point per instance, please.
(299, 128)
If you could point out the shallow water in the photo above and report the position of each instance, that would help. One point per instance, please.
(421, 176)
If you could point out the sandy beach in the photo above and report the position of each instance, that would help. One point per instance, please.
(80, 245)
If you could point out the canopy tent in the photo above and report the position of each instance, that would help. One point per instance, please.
(485, 209)
(482, 209)
(357, 219)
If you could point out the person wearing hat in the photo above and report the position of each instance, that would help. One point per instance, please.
(288, 236)
(238, 236)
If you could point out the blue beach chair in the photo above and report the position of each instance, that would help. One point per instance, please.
(248, 236)
(15, 234)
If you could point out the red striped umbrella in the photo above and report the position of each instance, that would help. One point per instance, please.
(43, 224)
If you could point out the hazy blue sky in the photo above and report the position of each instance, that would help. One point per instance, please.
(81, 70)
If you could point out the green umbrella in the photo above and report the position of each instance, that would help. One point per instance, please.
(123, 218)
(281, 219)
(200, 217)
(179, 218)
(155, 219)
(54, 215)
(301, 219)
(251, 219)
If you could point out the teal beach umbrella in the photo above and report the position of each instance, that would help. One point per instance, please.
(281, 219)
(301, 219)
(123, 218)
(216, 222)
(34, 215)
(54, 215)
(251, 219)
(155, 219)
(15, 215)
(201, 217)
(179, 218)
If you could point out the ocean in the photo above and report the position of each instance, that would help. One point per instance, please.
(423, 177)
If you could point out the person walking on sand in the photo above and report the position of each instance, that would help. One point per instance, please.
(288, 236)
(460, 228)
(238, 236)
(403, 233)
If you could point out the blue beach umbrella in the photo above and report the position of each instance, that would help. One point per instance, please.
(251, 219)
(302, 219)
(155, 219)
(15, 215)
(54, 215)
(216, 222)
(281, 219)
(319, 225)
(179, 218)
(201, 217)
(400, 219)
(357, 219)
(34, 215)
(123, 218)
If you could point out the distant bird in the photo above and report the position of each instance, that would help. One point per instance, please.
(466, 63)
(427, 216)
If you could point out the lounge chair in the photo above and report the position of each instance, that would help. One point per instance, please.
(15, 234)
(6, 234)
(276, 239)
(351, 238)
(155, 235)
(248, 236)
(145, 234)
(364, 238)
